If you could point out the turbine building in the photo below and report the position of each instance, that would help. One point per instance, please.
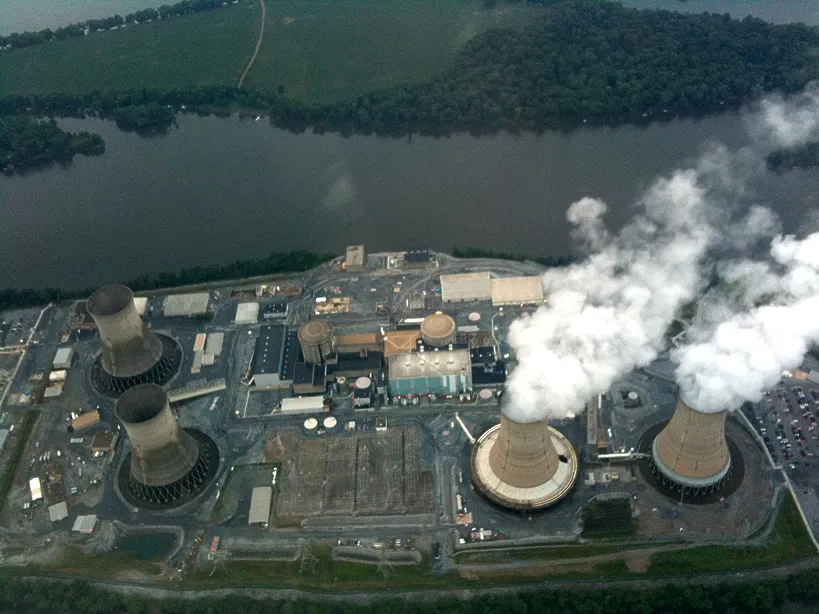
(131, 354)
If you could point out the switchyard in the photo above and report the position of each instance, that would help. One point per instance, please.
(353, 410)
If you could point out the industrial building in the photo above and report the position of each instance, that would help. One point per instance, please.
(131, 354)
(247, 313)
(214, 344)
(260, 505)
(523, 466)
(304, 405)
(58, 511)
(465, 287)
(517, 291)
(318, 341)
(436, 372)
(63, 358)
(691, 452)
(103, 442)
(309, 378)
(363, 392)
(438, 330)
(267, 357)
(178, 305)
(401, 342)
(86, 420)
(417, 258)
(35, 488)
(167, 465)
(358, 343)
(85, 524)
(355, 260)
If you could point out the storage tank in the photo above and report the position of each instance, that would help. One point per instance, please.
(310, 424)
(131, 354)
(330, 423)
(438, 330)
(691, 452)
(318, 341)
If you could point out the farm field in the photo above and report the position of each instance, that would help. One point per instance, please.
(199, 49)
(319, 50)
(326, 50)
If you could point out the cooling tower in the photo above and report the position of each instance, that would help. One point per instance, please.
(523, 465)
(691, 452)
(318, 342)
(131, 354)
(167, 464)
(438, 329)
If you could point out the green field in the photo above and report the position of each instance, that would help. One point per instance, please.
(319, 50)
(199, 49)
(325, 50)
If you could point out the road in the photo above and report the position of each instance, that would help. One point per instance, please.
(258, 44)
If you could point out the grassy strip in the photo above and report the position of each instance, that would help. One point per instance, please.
(23, 433)
(198, 49)
(542, 553)
(318, 50)
(790, 541)
(104, 565)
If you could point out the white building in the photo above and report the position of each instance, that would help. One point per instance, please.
(247, 313)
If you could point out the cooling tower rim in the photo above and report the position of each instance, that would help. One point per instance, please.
(514, 421)
(685, 480)
(681, 399)
(109, 300)
(540, 497)
(141, 403)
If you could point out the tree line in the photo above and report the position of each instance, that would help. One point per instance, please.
(277, 262)
(26, 142)
(480, 252)
(19, 40)
(583, 61)
(757, 597)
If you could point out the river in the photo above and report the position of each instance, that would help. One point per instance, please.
(215, 190)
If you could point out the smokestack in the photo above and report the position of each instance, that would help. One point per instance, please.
(523, 465)
(166, 463)
(131, 354)
(691, 452)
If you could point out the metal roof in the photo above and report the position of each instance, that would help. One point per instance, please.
(58, 511)
(430, 364)
(400, 341)
(516, 290)
(260, 505)
(247, 313)
(303, 404)
(466, 287)
(268, 350)
(62, 359)
(214, 343)
(355, 257)
(85, 524)
(186, 304)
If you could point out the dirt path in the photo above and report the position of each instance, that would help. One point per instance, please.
(258, 44)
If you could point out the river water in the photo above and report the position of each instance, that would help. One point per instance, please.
(215, 190)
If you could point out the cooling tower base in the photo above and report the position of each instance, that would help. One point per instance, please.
(505, 495)
(176, 493)
(683, 492)
(160, 374)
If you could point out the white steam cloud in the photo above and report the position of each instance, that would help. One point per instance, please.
(609, 313)
(734, 360)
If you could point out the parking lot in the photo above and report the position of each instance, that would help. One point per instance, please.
(786, 418)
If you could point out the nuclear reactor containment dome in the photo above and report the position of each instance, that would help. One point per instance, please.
(523, 466)
(131, 354)
(318, 342)
(438, 329)
(167, 464)
(691, 452)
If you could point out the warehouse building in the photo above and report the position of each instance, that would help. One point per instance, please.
(247, 313)
(177, 305)
(309, 378)
(214, 344)
(85, 524)
(517, 291)
(441, 372)
(260, 505)
(355, 260)
(466, 287)
(354, 365)
(86, 420)
(267, 357)
(63, 358)
(58, 511)
(304, 405)
(358, 343)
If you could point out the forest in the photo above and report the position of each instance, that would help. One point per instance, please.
(18, 40)
(26, 142)
(583, 61)
(276, 262)
(750, 597)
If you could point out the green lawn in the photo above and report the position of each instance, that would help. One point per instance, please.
(319, 50)
(325, 50)
(199, 49)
